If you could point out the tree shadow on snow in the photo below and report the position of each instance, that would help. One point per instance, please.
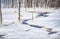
(25, 21)
(42, 14)
(36, 26)
(52, 32)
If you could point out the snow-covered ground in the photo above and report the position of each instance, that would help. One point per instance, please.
(36, 28)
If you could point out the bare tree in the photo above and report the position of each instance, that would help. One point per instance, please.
(36, 3)
(28, 3)
(31, 3)
(0, 14)
(8, 3)
(12, 3)
(19, 3)
(5, 3)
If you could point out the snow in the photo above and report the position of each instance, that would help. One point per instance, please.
(13, 30)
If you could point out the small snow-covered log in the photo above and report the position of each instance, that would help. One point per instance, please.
(48, 29)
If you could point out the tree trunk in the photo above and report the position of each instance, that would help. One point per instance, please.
(8, 4)
(19, 11)
(31, 3)
(0, 14)
(12, 3)
(36, 3)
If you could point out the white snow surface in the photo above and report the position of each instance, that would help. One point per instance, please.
(13, 30)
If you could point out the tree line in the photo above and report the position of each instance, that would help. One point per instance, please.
(32, 3)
